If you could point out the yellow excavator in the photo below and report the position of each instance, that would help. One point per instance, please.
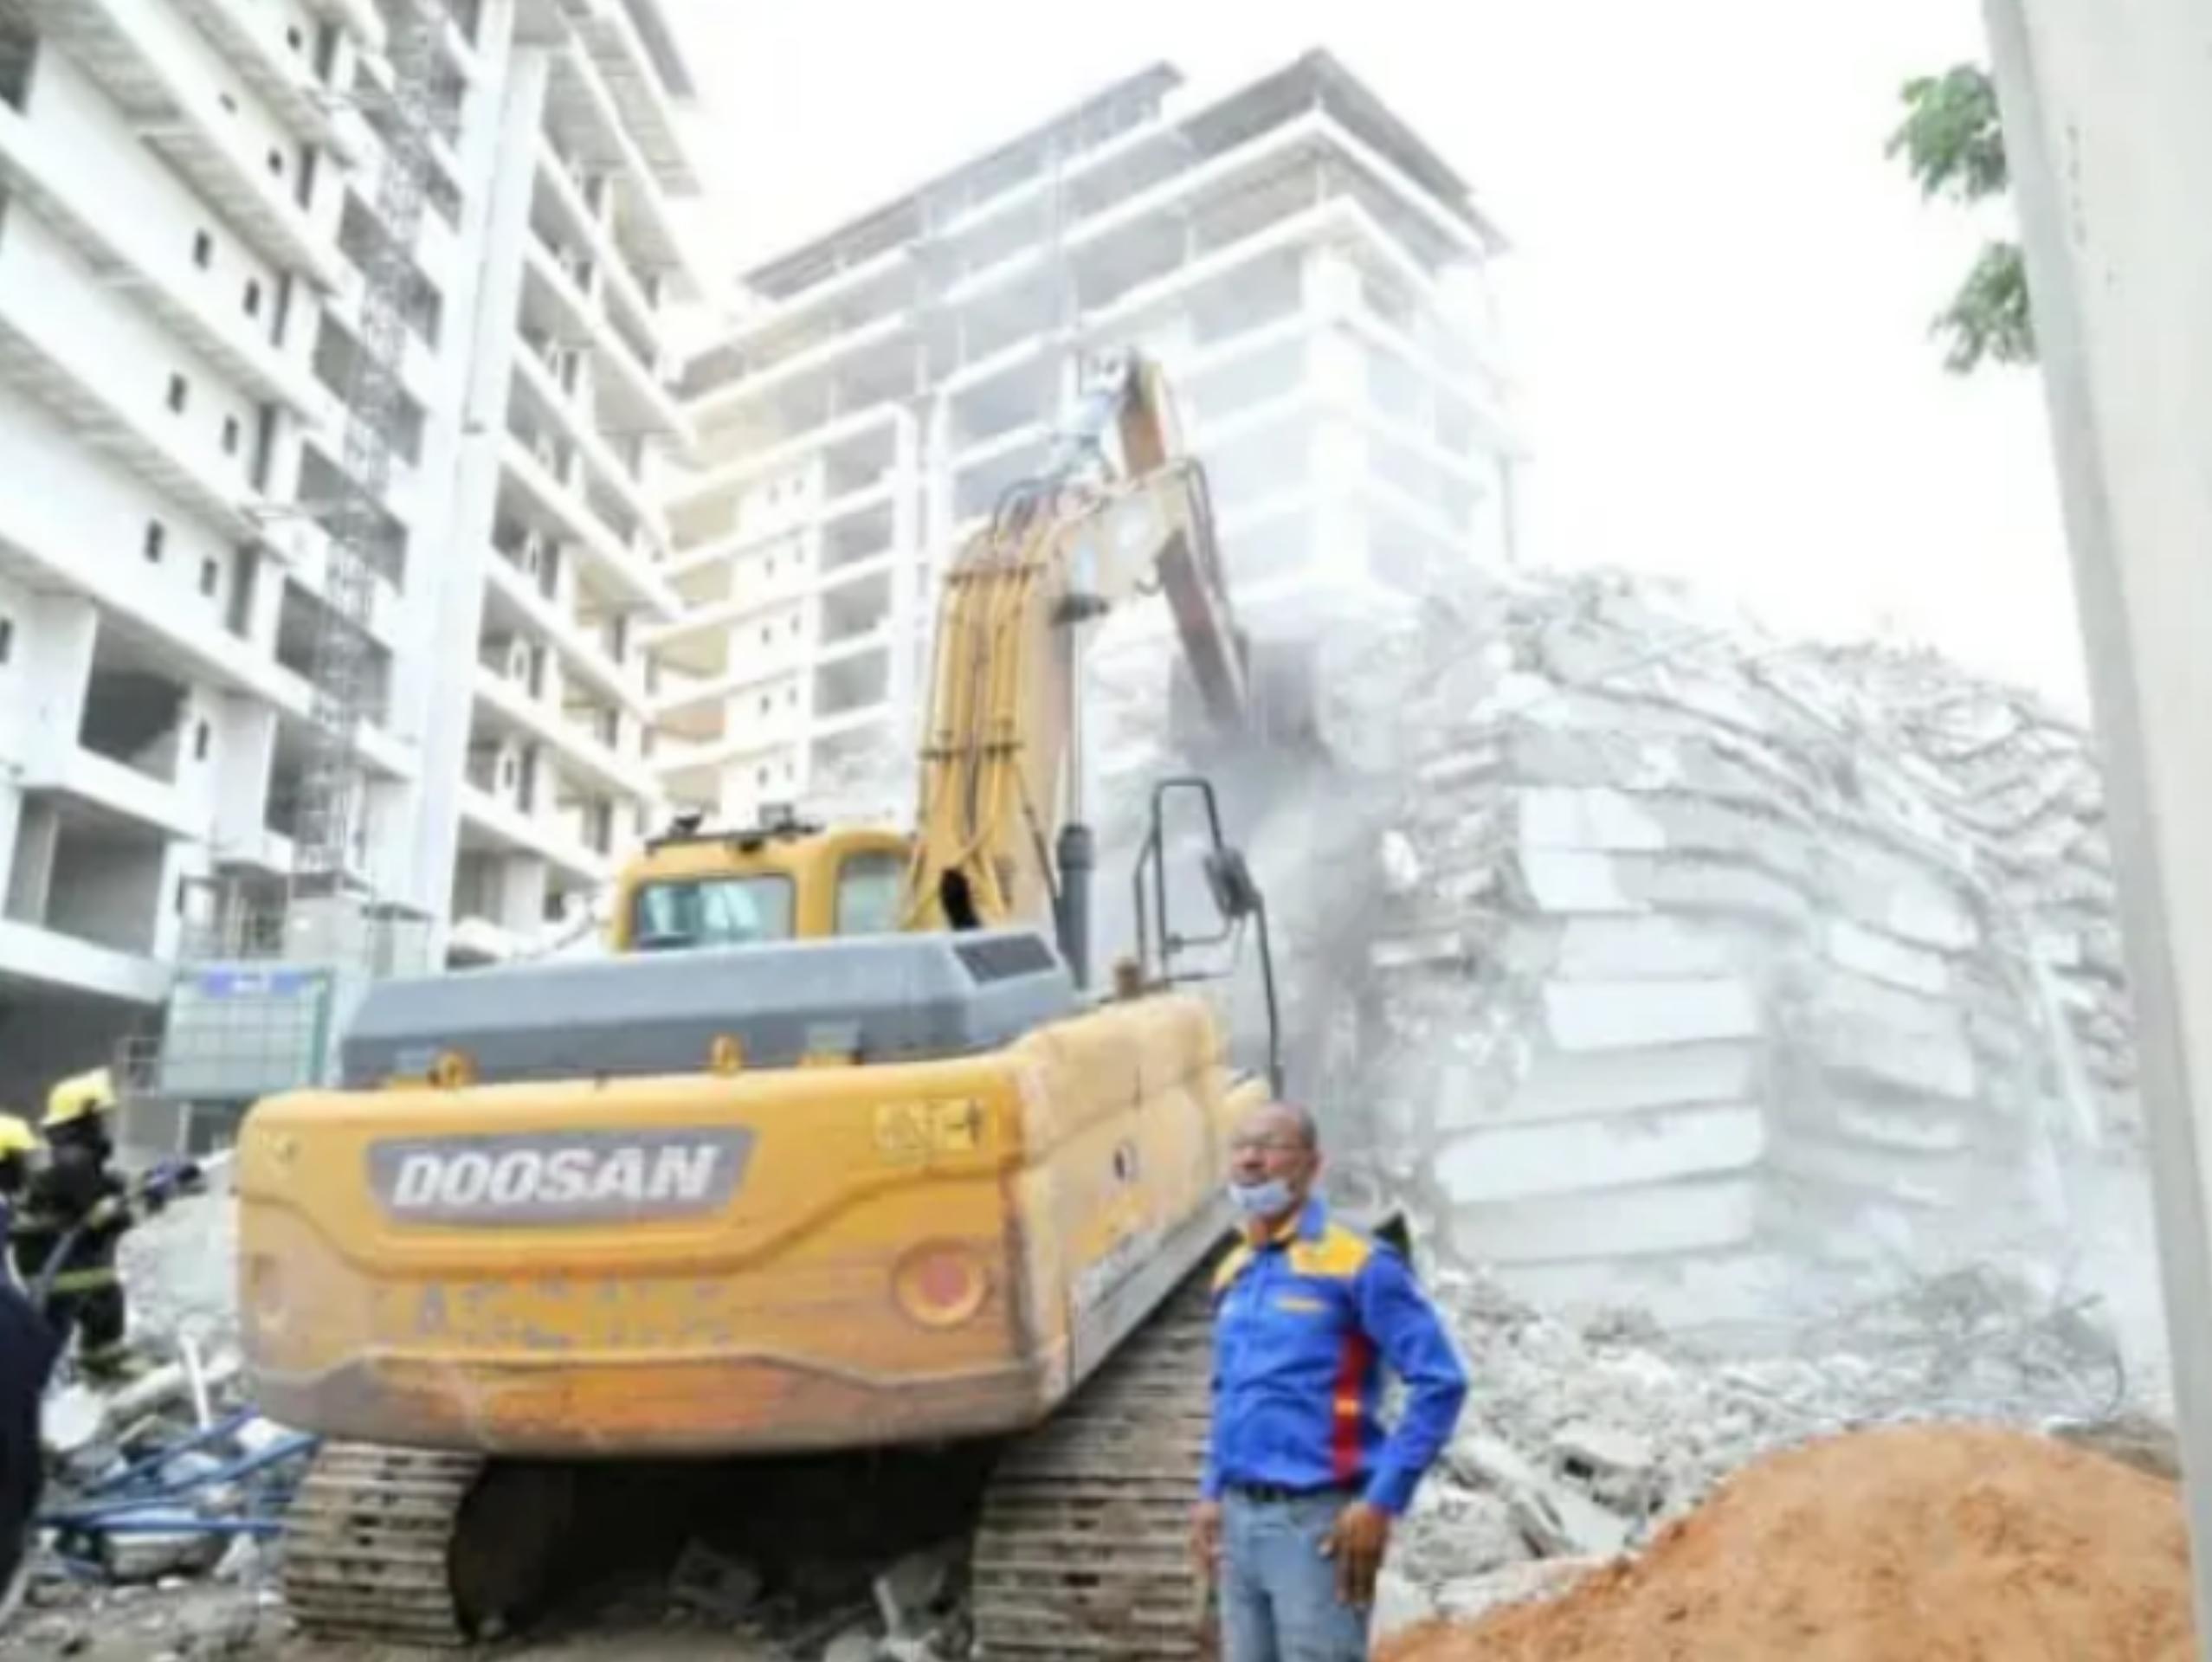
(836, 1194)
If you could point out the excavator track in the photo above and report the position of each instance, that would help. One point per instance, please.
(420, 1547)
(1083, 1551)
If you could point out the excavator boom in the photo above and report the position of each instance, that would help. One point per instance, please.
(1001, 817)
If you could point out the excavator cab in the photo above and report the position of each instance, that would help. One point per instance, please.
(782, 879)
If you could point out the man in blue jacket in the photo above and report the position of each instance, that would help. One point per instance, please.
(1302, 1480)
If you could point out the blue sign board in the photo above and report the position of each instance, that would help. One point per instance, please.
(253, 984)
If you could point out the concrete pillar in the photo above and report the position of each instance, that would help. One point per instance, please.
(245, 756)
(2107, 108)
(30, 874)
(447, 613)
(57, 653)
(11, 814)
(521, 883)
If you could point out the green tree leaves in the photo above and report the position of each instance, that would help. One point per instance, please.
(1952, 145)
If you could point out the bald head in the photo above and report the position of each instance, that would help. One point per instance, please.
(1297, 1120)
(1277, 1151)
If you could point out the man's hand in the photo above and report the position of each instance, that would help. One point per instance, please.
(1206, 1537)
(1358, 1542)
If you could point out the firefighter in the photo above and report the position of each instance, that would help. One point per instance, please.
(18, 1152)
(72, 1220)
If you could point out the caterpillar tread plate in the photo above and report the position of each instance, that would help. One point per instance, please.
(1085, 1544)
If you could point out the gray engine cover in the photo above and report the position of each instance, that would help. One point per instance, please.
(885, 998)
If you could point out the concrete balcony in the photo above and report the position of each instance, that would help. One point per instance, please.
(636, 398)
(383, 754)
(623, 285)
(613, 566)
(248, 37)
(39, 554)
(111, 787)
(313, 549)
(45, 957)
(551, 404)
(38, 173)
(513, 601)
(507, 708)
(129, 439)
(418, 366)
(257, 850)
(486, 819)
(358, 18)
(606, 32)
(585, 121)
(130, 48)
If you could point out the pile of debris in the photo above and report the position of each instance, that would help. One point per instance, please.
(1961, 1541)
(152, 1485)
(1587, 1437)
(1660, 958)
(182, 1268)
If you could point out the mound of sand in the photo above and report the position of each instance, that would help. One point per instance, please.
(1920, 1543)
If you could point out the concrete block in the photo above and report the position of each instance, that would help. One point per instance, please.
(1608, 821)
(1563, 882)
(1523, 1162)
(1614, 1224)
(1559, 1087)
(1886, 958)
(1648, 947)
(1625, 1015)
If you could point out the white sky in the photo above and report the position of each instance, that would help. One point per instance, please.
(1718, 298)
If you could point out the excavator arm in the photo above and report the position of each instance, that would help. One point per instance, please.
(1002, 754)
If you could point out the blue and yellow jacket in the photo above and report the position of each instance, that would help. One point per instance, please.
(1305, 1324)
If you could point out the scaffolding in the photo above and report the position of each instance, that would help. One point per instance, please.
(359, 526)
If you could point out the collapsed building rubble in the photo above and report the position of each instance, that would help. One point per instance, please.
(1639, 954)
(1653, 955)
(1972, 1542)
(1588, 1437)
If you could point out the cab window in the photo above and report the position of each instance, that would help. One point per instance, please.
(712, 912)
(868, 890)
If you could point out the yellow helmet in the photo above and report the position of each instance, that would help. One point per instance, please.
(78, 1098)
(17, 1135)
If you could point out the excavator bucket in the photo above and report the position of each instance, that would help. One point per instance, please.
(1283, 709)
(1277, 765)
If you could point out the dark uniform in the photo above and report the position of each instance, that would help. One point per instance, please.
(65, 1241)
(66, 1233)
(18, 1154)
(27, 1350)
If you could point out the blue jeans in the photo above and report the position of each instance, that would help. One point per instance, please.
(1278, 1593)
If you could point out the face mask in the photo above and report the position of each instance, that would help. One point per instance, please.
(1268, 1199)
